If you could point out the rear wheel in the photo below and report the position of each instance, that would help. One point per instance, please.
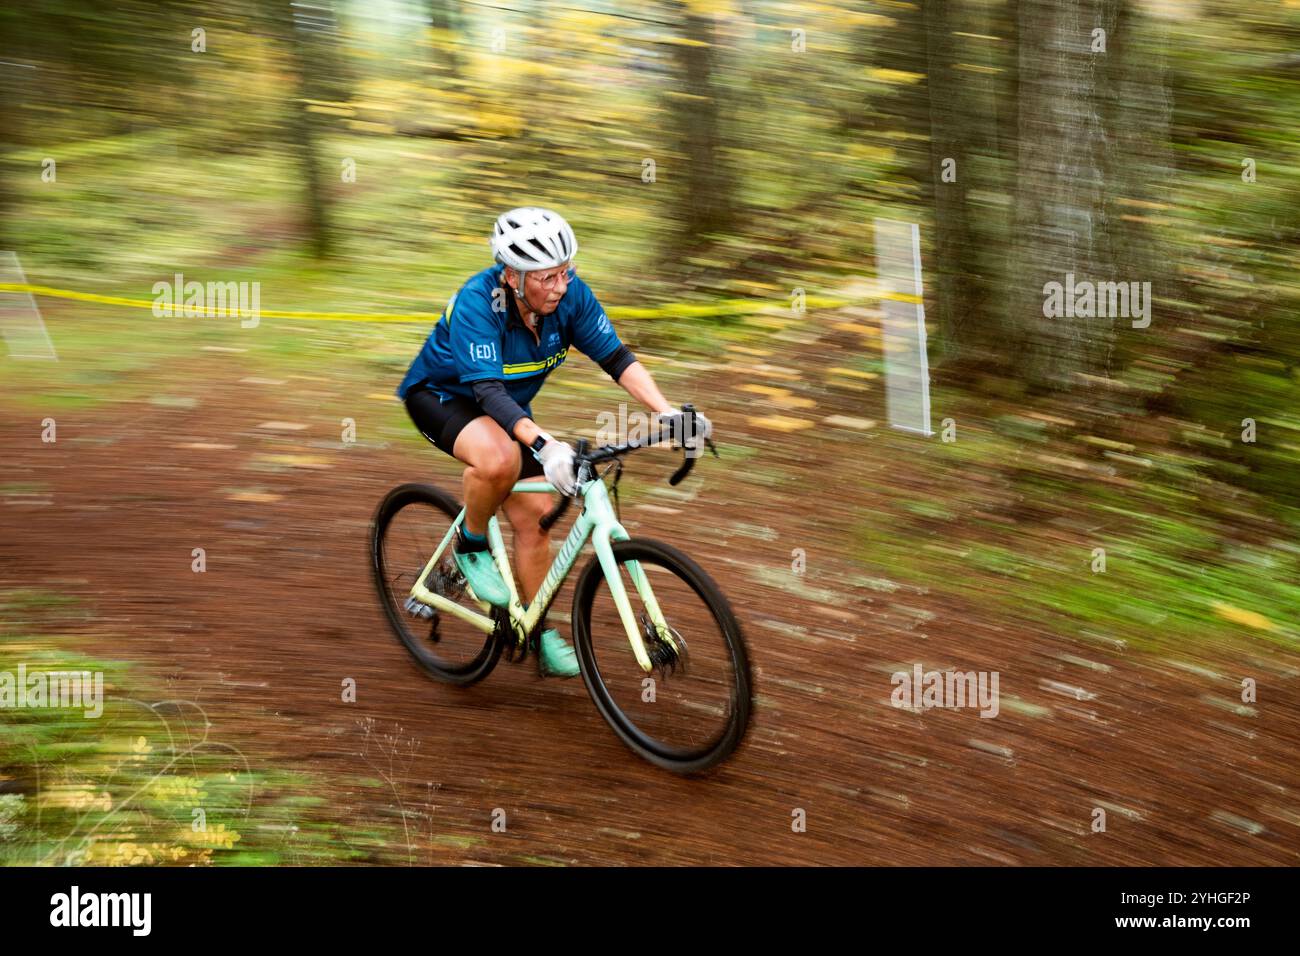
(692, 710)
(408, 527)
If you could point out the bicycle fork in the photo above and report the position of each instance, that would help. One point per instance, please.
(613, 577)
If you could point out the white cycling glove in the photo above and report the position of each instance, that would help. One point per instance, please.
(558, 465)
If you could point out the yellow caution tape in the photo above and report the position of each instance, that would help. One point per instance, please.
(178, 309)
(682, 310)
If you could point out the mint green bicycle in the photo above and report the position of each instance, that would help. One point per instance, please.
(660, 651)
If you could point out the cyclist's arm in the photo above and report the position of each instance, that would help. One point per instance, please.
(638, 383)
(491, 394)
(617, 361)
(595, 337)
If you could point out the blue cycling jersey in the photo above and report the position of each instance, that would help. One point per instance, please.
(480, 336)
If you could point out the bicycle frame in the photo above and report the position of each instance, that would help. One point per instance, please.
(597, 521)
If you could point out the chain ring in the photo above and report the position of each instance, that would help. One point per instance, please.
(448, 581)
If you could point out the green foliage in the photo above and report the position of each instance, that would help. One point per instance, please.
(145, 781)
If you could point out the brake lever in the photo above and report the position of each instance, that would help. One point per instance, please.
(683, 471)
(689, 462)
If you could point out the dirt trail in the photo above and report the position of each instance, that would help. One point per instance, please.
(286, 611)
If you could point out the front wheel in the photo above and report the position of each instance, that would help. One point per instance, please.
(693, 708)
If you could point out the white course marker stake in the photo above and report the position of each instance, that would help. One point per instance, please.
(20, 321)
(902, 326)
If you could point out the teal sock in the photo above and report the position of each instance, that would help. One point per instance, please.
(469, 541)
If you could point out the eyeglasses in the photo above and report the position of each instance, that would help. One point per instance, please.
(548, 282)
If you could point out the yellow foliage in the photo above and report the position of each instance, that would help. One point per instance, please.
(865, 151)
(125, 852)
(868, 19)
(675, 40)
(508, 125)
(181, 789)
(715, 9)
(363, 126)
(781, 423)
(1240, 616)
(330, 110)
(215, 837)
(75, 797)
(895, 77)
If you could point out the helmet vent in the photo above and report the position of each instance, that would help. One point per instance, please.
(530, 238)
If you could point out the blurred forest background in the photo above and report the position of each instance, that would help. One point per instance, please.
(351, 156)
(711, 154)
(709, 150)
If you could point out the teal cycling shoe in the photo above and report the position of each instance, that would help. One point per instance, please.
(484, 576)
(555, 657)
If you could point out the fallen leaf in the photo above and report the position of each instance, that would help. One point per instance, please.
(1239, 616)
(781, 423)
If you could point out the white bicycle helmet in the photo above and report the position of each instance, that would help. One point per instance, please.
(531, 238)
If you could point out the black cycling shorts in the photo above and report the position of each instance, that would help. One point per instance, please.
(441, 422)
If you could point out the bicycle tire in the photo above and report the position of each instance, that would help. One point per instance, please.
(676, 759)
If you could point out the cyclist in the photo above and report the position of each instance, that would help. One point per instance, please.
(470, 387)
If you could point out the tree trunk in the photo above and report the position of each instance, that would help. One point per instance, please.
(956, 295)
(1142, 167)
(1062, 218)
(306, 54)
(443, 17)
(14, 82)
(708, 185)
(8, 123)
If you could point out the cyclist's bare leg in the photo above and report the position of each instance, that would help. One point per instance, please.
(493, 460)
(532, 545)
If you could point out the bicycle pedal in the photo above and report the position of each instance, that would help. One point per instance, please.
(416, 609)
